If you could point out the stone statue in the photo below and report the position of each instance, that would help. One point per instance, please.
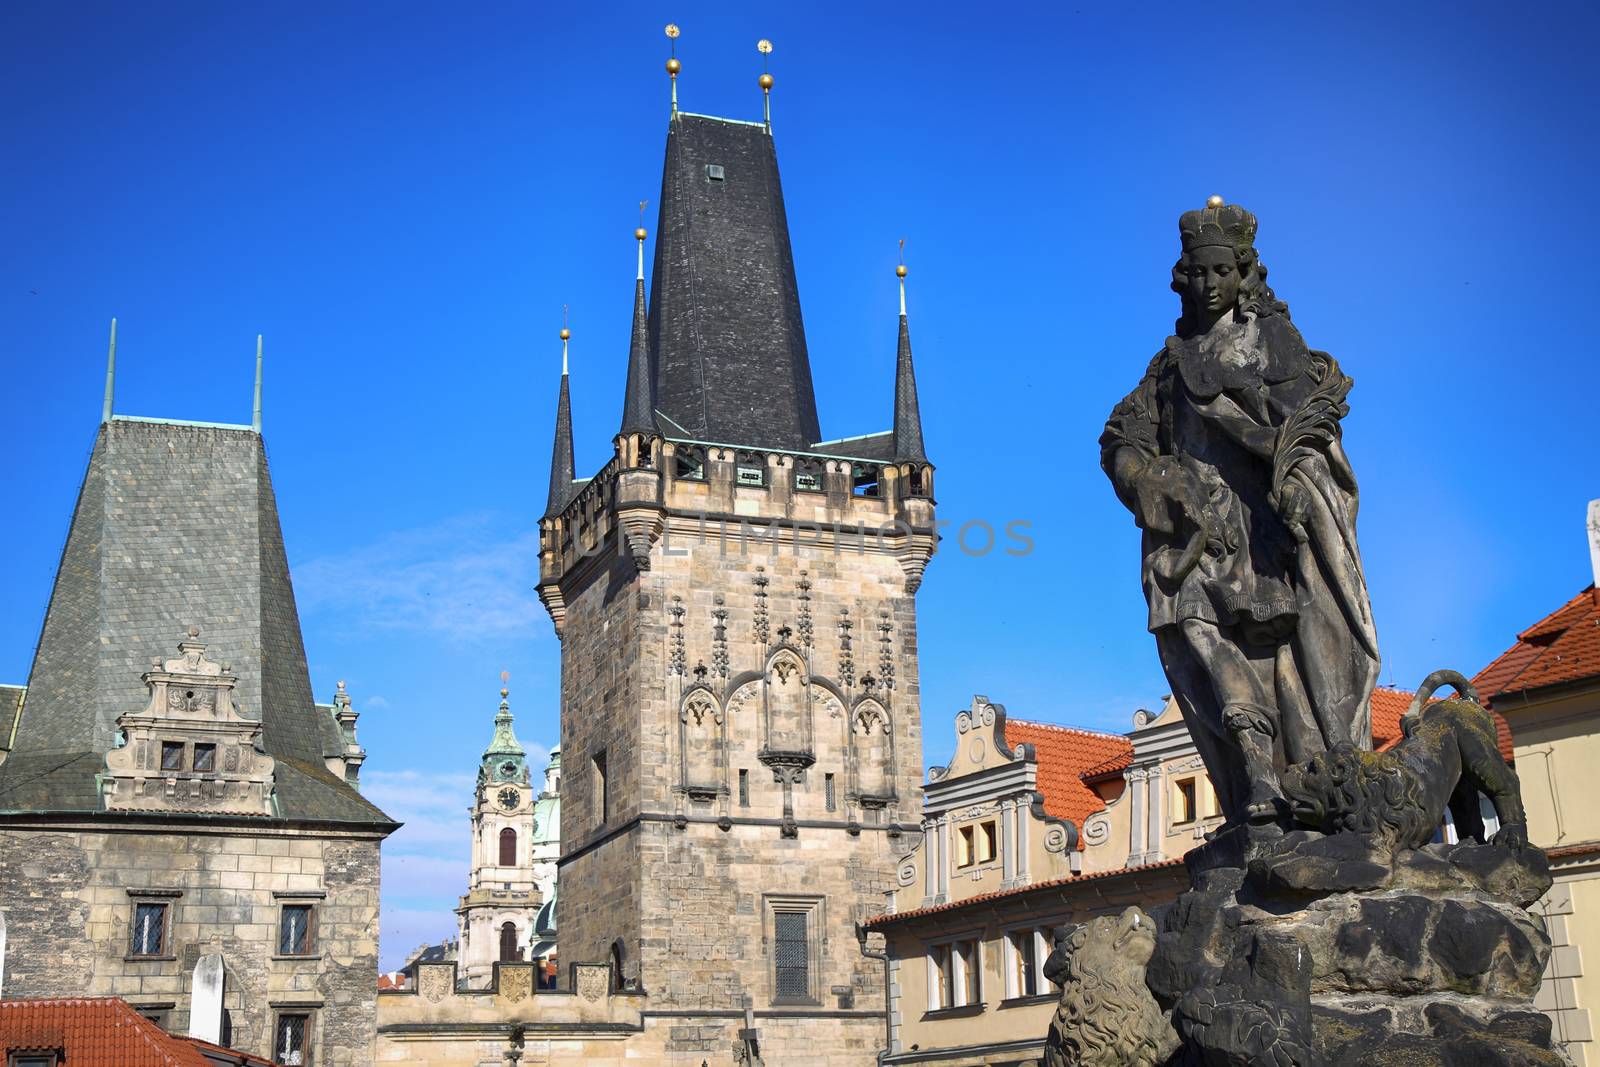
(1106, 1016)
(1228, 454)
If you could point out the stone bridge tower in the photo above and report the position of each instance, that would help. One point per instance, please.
(736, 598)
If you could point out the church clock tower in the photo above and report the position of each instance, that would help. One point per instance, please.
(740, 724)
(498, 912)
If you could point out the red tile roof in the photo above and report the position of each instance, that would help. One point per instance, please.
(899, 916)
(1564, 646)
(1064, 757)
(1567, 852)
(102, 1031)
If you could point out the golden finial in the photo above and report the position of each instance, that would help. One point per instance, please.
(764, 46)
(673, 66)
(1214, 201)
(505, 690)
(639, 235)
(566, 335)
(900, 272)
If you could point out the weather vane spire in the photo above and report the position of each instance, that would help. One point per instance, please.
(639, 235)
(673, 66)
(764, 46)
(566, 335)
(900, 272)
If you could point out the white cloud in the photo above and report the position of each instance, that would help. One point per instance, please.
(374, 703)
(465, 577)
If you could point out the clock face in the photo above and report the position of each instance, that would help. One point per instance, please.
(508, 799)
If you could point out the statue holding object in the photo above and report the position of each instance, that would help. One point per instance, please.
(1228, 454)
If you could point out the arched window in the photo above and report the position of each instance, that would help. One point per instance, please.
(508, 943)
(618, 955)
(508, 847)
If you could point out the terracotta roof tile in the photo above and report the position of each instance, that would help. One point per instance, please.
(1567, 852)
(1564, 646)
(999, 894)
(1064, 757)
(102, 1031)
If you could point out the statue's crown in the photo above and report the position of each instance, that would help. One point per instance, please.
(1217, 224)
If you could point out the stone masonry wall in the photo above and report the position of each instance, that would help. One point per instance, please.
(68, 916)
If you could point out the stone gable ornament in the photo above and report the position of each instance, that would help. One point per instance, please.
(1329, 921)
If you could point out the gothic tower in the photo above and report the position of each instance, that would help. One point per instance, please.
(497, 915)
(736, 601)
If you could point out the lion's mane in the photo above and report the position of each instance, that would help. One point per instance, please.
(1106, 1016)
(1370, 793)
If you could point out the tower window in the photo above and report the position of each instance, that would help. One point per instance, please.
(602, 797)
(290, 1044)
(508, 847)
(744, 788)
(294, 930)
(789, 938)
(828, 791)
(509, 952)
(714, 172)
(149, 929)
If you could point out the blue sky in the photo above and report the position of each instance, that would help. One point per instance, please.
(402, 199)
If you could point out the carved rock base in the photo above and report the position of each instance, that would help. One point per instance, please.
(1435, 964)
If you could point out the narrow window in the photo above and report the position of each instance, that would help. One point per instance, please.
(289, 1044)
(508, 847)
(602, 798)
(792, 954)
(172, 755)
(1024, 972)
(827, 790)
(205, 757)
(966, 848)
(967, 963)
(944, 992)
(744, 788)
(988, 845)
(1187, 809)
(508, 943)
(149, 929)
(294, 930)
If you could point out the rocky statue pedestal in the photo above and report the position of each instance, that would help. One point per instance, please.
(1303, 949)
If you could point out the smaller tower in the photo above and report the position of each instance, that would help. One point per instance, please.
(497, 914)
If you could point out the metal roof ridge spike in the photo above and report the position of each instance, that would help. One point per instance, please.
(255, 409)
(561, 461)
(111, 374)
(907, 411)
(764, 46)
(638, 403)
(673, 66)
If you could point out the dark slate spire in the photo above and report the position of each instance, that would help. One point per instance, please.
(638, 406)
(561, 464)
(726, 338)
(907, 413)
(176, 527)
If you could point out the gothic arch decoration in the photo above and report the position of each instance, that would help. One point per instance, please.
(872, 752)
(786, 703)
(701, 744)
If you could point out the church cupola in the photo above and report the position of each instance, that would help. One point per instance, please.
(504, 760)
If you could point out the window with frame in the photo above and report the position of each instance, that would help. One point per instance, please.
(966, 846)
(828, 794)
(744, 788)
(291, 1039)
(205, 757)
(602, 797)
(32, 1059)
(150, 921)
(1187, 801)
(510, 952)
(954, 981)
(791, 955)
(295, 924)
(1026, 950)
(172, 755)
(988, 841)
(508, 847)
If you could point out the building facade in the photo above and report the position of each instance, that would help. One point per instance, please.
(1547, 686)
(503, 915)
(169, 790)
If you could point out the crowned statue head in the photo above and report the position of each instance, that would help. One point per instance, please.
(1219, 271)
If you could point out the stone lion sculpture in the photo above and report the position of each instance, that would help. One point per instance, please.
(1397, 799)
(1106, 1016)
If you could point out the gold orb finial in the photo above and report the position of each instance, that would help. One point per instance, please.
(504, 692)
(673, 66)
(1215, 201)
(640, 234)
(566, 334)
(900, 271)
(766, 83)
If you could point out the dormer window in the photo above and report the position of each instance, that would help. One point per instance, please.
(714, 172)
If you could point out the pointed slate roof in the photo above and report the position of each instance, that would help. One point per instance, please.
(638, 404)
(176, 526)
(561, 463)
(907, 412)
(726, 338)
